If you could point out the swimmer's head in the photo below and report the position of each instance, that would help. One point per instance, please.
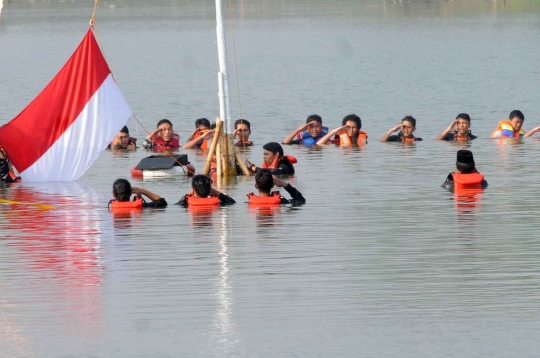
(244, 129)
(316, 128)
(202, 123)
(166, 129)
(121, 190)
(201, 185)
(408, 126)
(272, 151)
(463, 124)
(264, 180)
(465, 162)
(354, 124)
(517, 118)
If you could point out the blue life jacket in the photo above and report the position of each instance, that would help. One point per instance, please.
(307, 139)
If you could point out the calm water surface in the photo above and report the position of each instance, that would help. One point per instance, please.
(381, 262)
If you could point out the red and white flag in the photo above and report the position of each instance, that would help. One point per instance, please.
(65, 128)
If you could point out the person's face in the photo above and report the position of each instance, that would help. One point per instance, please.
(315, 129)
(516, 123)
(352, 128)
(462, 126)
(166, 131)
(123, 139)
(407, 128)
(268, 157)
(243, 131)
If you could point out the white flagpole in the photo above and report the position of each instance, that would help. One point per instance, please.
(223, 76)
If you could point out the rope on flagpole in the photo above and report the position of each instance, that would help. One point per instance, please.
(94, 13)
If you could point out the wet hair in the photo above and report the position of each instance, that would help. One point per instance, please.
(466, 168)
(464, 116)
(122, 190)
(164, 121)
(124, 130)
(201, 184)
(264, 180)
(352, 118)
(274, 148)
(242, 121)
(202, 122)
(410, 119)
(516, 113)
(314, 117)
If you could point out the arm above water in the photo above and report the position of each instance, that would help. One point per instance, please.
(386, 136)
(224, 199)
(449, 183)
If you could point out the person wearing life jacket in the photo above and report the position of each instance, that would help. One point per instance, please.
(163, 138)
(242, 132)
(406, 130)
(309, 133)
(458, 130)
(511, 127)
(6, 172)
(201, 137)
(348, 134)
(264, 182)
(466, 176)
(274, 160)
(122, 191)
(123, 141)
(202, 194)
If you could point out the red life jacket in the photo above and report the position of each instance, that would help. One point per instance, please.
(273, 199)
(408, 140)
(159, 143)
(136, 203)
(194, 201)
(277, 161)
(467, 181)
(345, 140)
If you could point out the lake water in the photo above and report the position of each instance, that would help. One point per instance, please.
(380, 262)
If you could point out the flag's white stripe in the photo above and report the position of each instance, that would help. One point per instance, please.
(80, 145)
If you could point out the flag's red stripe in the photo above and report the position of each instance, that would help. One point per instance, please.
(29, 135)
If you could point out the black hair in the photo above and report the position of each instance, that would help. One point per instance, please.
(353, 118)
(213, 126)
(264, 180)
(516, 113)
(202, 122)
(201, 184)
(274, 148)
(124, 130)
(466, 168)
(410, 119)
(242, 121)
(314, 117)
(464, 116)
(164, 121)
(122, 190)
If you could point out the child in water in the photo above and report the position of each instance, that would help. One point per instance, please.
(122, 191)
(466, 175)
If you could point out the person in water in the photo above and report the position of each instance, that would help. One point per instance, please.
(123, 141)
(309, 133)
(466, 176)
(201, 136)
(458, 130)
(203, 194)
(163, 137)
(406, 130)
(264, 182)
(6, 171)
(122, 191)
(274, 160)
(348, 134)
(511, 127)
(242, 131)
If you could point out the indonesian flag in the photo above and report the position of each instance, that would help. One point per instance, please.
(65, 128)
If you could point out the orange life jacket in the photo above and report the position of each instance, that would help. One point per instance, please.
(467, 181)
(345, 140)
(408, 140)
(136, 203)
(194, 201)
(245, 143)
(273, 199)
(506, 130)
(277, 161)
(205, 142)
(159, 143)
